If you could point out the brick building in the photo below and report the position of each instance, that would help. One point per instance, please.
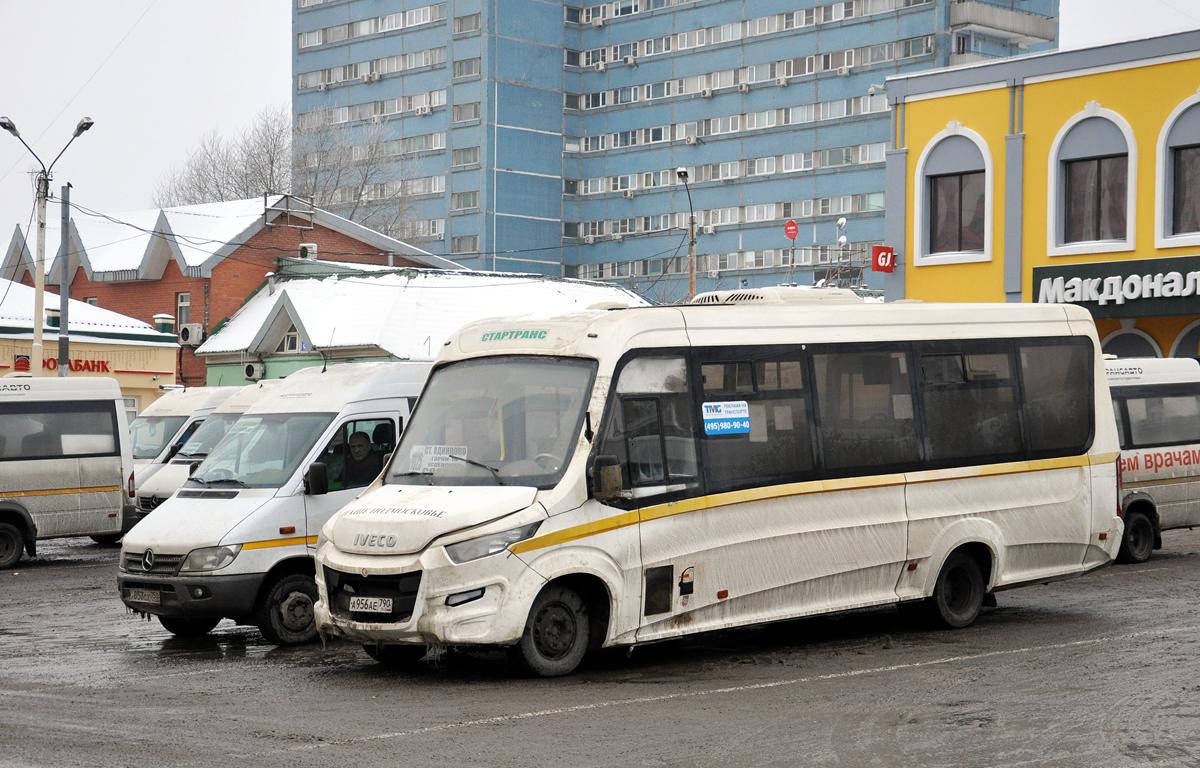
(199, 263)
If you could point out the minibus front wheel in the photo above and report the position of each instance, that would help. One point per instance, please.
(556, 633)
(182, 626)
(285, 611)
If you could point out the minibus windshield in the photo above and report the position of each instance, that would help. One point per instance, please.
(510, 420)
(152, 433)
(204, 439)
(261, 450)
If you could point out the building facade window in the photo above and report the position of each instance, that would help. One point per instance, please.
(466, 23)
(1177, 203)
(93, 300)
(1092, 185)
(183, 309)
(460, 201)
(464, 112)
(465, 156)
(467, 68)
(952, 216)
(464, 244)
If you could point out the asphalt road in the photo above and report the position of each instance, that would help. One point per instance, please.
(1099, 671)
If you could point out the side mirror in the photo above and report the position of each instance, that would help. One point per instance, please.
(606, 478)
(174, 450)
(192, 468)
(316, 480)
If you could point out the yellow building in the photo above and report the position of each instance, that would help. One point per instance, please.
(102, 343)
(1071, 176)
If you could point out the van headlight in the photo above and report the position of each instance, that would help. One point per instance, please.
(210, 558)
(482, 546)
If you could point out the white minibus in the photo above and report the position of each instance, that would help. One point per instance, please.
(611, 478)
(1157, 405)
(65, 464)
(236, 540)
(166, 424)
(172, 474)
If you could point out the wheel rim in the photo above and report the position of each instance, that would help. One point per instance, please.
(554, 630)
(958, 591)
(1140, 537)
(296, 611)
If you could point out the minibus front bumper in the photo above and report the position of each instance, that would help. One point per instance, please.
(193, 597)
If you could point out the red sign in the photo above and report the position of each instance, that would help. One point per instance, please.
(883, 258)
(90, 366)
(21, 363)
(791, 229)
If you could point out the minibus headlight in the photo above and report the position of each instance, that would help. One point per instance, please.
(210, 558)
(473, 549)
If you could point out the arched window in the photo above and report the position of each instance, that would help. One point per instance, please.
(1093, 169)
(1177, 206)
(1130, 342)
(953, 211)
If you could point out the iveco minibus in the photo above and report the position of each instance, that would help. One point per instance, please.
(619, 477)
(1157, 405)
(65, 464)
(236, 540)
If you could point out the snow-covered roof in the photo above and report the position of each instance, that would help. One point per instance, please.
(86, 321)
(136, 245)
(408, 313)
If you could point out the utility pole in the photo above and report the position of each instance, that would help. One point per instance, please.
(64, 286)
(682, 175)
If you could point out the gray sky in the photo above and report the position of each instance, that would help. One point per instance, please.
(156, 75)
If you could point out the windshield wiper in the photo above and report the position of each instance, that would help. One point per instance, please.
(495, 472)
(229, 480)
(199, 480)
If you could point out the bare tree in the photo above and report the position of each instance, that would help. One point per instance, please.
(355, 172)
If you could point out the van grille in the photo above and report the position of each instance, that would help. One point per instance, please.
(148, 503)
(402, 589)
(163, 564)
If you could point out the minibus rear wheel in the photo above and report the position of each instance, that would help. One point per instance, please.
(285, 611)
(107, 539)
(185, 627)
(1138, 542)
(959, 591)
(12, 541)
(556, 634)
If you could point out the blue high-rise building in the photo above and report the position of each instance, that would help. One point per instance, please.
(543, 137)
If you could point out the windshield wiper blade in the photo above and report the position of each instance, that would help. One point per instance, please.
(495, 472)
(227, 480)
(199, 480)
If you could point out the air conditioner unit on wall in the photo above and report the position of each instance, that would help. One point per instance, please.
(424, 110)
(629, 61)
(589, 239)
(440, 236)
(709, 229)
(366, 78)
(689, 140)
(843, 71)
(375, 77)
(191, 334)
(781, 81)
(706, 93)
(599, 66)
(597, 21)
(255, 371)
(322, 86)
(376, 119)
(617, 236)
(308, 250)
(628, 194)
(744, 87)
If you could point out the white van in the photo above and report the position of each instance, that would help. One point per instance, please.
(1157, 406)
(172, 474)
(236, 540)
(612, 478)
(66, 468)
(166, 424)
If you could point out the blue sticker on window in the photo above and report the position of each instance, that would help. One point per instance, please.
(729, 418)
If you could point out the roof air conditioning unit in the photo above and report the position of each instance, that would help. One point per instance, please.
(321, 86)
(589, 239)
(375, 77)
(191, 334)
(689, 140)
(424, 109)
(843, 71)
(743, 87)
(709, 229)
(308, 250)
(629, 61)
(628, 194)
(597, 21)
(781, 81)
(255, 371)
(599, 66)
(706, 93)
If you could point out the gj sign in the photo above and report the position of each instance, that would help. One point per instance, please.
(883, 258)
(1115, 289)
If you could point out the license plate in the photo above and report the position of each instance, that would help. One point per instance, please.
(152, 596)
(371, 604)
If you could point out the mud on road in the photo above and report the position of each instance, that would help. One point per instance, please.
(1102, 670)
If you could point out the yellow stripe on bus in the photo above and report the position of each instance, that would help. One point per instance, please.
(659, 511)
(60, 491)
(280, 542)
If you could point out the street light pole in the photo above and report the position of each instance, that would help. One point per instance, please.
(39, 272)
(64, 286)
(682, 174)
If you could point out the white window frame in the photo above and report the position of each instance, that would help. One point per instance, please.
(920, 221)
(1162, 193)
(1053, 203)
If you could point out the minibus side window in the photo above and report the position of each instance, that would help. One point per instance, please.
(53, 430)
(652, 427)
(1169, 418)
(777, 445)
(353, 457)
(1058, 382)
(969, 394)
(867, 418)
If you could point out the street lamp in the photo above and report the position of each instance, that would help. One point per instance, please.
(682, 174)
(39, 272)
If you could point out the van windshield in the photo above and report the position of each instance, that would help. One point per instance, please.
(152, 433)
(511, 420)
(204, 439)
(261, 450)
